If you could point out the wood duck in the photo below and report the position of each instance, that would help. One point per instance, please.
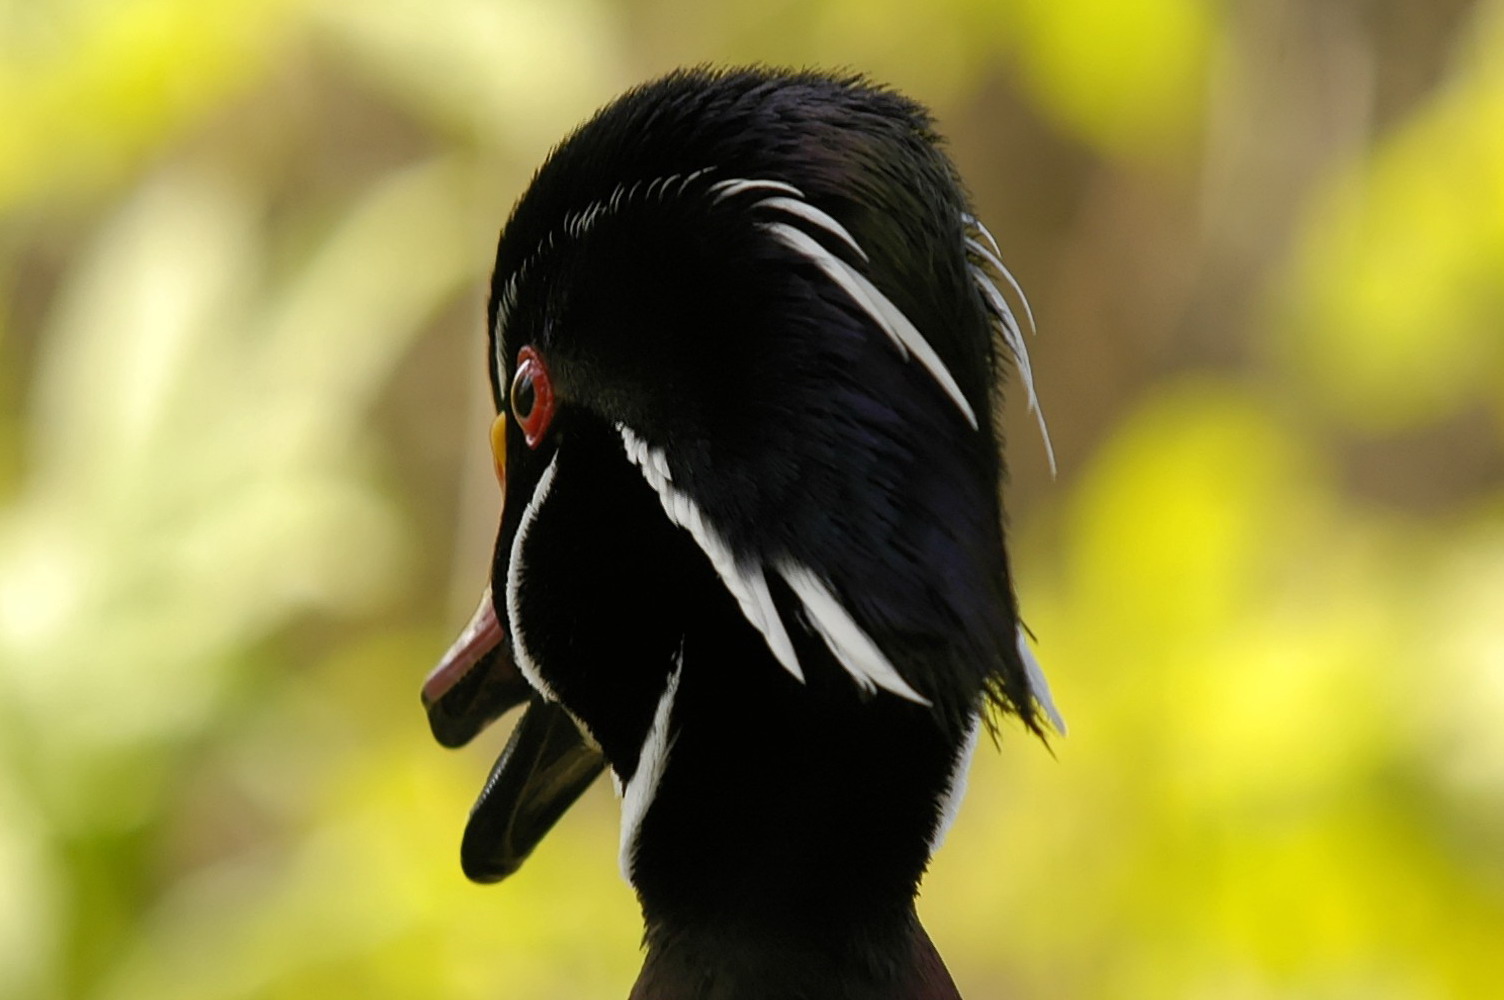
(745, 348)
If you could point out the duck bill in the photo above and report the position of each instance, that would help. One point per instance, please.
(546, 765)
(475, 682)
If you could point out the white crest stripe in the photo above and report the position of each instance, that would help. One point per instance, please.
(637, 796)
(746, 583)
(515, 569)
(1015, 340)
(894, 323)
(851, 646)
(810, 213)
(736, 185)
(971, 221)
(997, 262)
(692, 176)
(998, 306)
(1038, 686)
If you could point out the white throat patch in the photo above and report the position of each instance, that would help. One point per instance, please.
(637, 796)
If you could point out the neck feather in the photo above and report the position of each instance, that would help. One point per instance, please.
(896, 962)
(788, 832)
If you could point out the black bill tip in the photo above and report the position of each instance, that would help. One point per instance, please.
(546, 765)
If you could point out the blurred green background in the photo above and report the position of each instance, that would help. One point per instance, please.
(245, 498)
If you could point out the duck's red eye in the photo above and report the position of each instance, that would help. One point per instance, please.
(532, 396)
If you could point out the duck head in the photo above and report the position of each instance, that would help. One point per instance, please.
(745, 345)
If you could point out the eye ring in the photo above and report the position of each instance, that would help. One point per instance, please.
(532, 396)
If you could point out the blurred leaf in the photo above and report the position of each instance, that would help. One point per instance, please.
(90, 88)
(1128, 78)
(1396, 306)
(230, 420)
(1257, 646)
(487, 69)
(32, 911)
(197, 477)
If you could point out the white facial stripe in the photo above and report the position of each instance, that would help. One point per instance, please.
(585, 733)
(736, 185)
(515, 570)
(851, 646)
(905, 336)
(955, 790)
(1038, 686)
(746, 583)
(638, 794)
(811, 214)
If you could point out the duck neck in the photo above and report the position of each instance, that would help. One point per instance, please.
(787, 835)
(896, 962)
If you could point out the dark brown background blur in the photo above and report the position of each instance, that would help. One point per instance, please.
(245, 497)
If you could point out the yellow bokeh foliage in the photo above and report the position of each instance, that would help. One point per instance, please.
(245, 494)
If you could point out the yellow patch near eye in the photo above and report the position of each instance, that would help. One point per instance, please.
(499, 448)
